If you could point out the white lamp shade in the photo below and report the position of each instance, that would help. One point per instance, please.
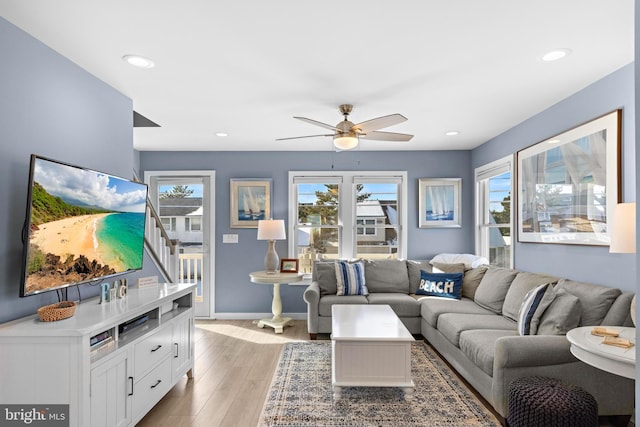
(271, 229)
(346, 142)
(623, 229)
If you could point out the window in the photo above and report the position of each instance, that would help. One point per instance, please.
(192, 223)
(169, 223)
(345, 215)
(493, 212)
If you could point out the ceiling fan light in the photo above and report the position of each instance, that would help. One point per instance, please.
(345, 142)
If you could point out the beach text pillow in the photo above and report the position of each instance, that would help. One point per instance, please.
(445, 285)
(350, 278)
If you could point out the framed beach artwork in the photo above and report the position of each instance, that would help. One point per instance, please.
(569, 184)
(250, 202)
(439, 202)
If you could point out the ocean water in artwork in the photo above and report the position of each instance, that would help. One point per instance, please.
(439, 203)
(250, 215)
(120, 240)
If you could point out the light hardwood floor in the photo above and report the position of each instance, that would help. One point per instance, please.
(234, 364)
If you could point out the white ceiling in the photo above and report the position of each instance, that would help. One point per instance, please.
(247, 67)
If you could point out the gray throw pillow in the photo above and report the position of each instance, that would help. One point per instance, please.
(595, 300)
(389, 275)
(562, 315)
(523, 283)
(413, 268)
(440, 267)
(493, 288)
(471, 280)
(325, 274)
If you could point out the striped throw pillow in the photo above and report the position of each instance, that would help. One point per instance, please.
(532, 308)
(350, 278)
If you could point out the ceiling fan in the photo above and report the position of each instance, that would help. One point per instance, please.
(346, 134)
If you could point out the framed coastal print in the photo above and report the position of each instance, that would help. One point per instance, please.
(439, 202)
(288, 265)
(250, 202)
(569, 184)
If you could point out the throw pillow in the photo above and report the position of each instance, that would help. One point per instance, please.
(562, 315)
(471, 281)
(446, 285)
(595, 300)
(493, 288)
(533, 305)
(522, 284)
(350, 278)
(325, 274)
(414, 269)
(386, 275)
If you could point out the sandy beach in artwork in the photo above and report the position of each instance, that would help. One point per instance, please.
(49, 237)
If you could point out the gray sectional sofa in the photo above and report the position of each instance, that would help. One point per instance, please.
(478, 334)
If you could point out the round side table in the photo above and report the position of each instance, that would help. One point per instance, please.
(277, 322)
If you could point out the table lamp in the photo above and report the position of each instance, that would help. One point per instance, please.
(623, 236)
(271, 230)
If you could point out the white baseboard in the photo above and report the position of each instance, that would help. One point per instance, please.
(253, 316)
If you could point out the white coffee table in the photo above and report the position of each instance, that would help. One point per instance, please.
(370, 348)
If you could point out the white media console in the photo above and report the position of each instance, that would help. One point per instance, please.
(114, 382)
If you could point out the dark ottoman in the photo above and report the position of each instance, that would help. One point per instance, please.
(547, 402)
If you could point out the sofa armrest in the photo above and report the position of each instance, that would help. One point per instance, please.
(532, 350)
(312, 298)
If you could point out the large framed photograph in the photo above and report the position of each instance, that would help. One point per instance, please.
(569, 184)
(439, 202)
(250, 202)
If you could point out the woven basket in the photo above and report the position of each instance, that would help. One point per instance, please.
(57, 311)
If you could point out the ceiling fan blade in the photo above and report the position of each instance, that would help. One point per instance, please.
(317, 123)
(380, 122)
(387, 136)
(299, 137)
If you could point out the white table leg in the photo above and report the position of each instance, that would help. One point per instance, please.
(337, 392)
(408, 393)
(276, 304)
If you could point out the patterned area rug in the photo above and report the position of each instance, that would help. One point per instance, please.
(301, 394)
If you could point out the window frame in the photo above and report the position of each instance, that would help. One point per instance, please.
(482, 175)
(347, 197)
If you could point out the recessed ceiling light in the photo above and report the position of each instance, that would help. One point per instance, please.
(553, 141)
(452, 133)
(555, 54)
(221, 134)
(138, 61)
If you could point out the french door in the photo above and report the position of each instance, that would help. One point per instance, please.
(184, 201)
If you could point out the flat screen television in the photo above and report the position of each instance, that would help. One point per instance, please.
(81, 226)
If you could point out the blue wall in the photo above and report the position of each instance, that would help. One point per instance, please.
(584, 263)
(234, 292)
(52, 107)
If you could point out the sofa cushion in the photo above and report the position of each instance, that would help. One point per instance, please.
(432, 308)
(480, 346)
(325, 274)
(471, 280)
(522, 284)
(451, 325)
(443, 285)
(403, 305)
(469, 260)
(562, 315)
(350, 278)
(594, 299)
(324, 307)
(493, 288)
(413, 269)
(535, 303)
(389, 275)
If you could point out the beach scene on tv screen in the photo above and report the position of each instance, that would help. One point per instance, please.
(83, 225)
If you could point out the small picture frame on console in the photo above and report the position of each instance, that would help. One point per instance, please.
(288, 265)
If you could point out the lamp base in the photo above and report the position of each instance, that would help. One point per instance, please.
(271, 259)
